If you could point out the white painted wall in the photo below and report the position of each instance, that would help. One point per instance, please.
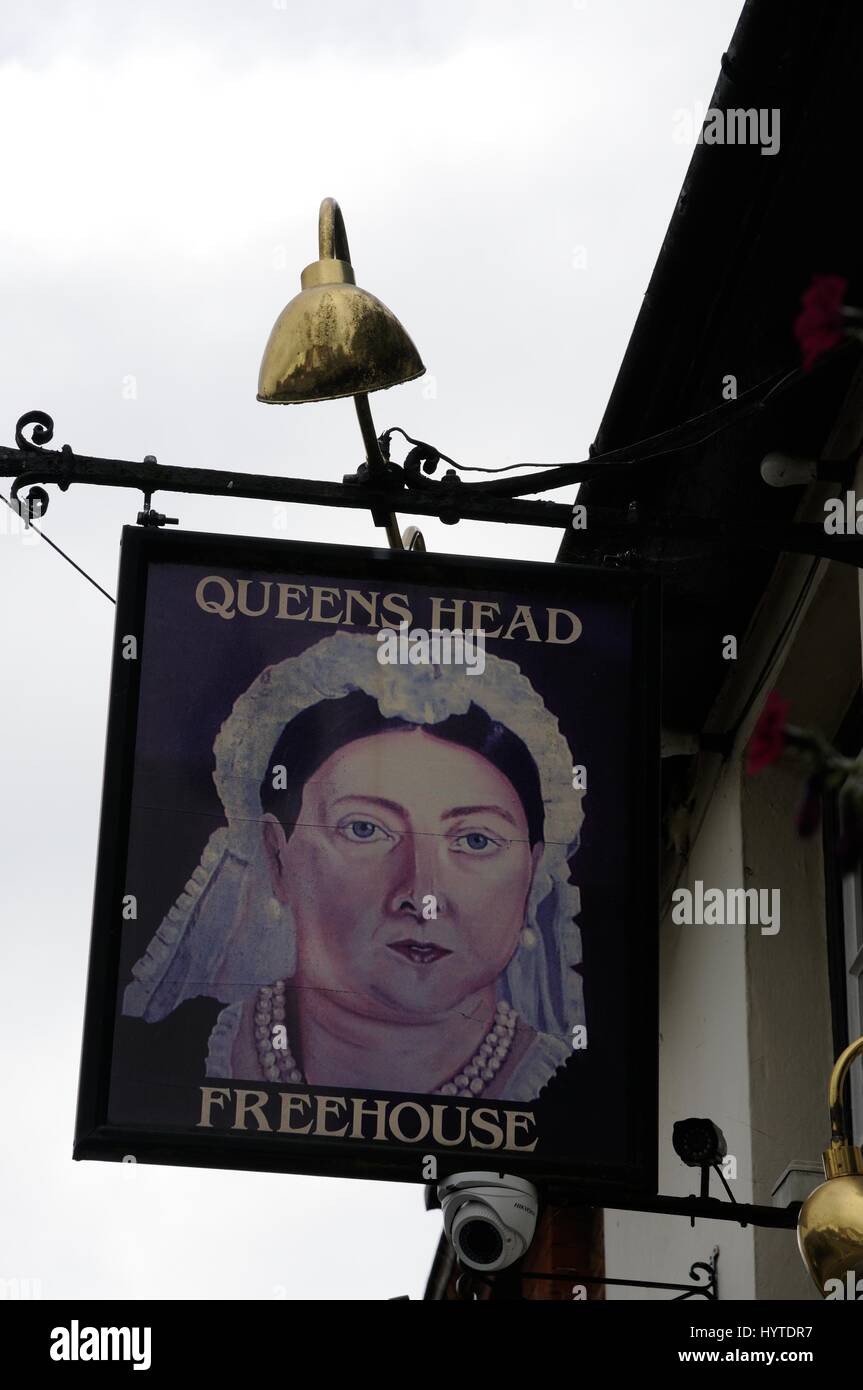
(703, 1070)
(745, 1031)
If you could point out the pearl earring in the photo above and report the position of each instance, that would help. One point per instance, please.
(274, 910)
(528, 938)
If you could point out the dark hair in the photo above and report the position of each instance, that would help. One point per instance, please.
(311, 737)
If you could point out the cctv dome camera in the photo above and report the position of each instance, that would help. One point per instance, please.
(489, 1218)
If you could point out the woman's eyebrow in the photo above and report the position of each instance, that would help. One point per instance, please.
(474, 810)
(375, 800)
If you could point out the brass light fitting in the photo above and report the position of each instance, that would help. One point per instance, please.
(830, 1225)
(334, 339)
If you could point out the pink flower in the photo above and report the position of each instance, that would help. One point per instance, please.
(768, 739)
(818, 327)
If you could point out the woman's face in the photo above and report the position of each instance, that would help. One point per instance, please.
(407, 874)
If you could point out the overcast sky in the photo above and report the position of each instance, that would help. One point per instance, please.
(507, 172)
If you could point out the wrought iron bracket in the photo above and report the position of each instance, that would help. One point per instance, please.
(562, 1194)
(148, 517)
(703, 1273)
(706, 1208)
(621, 534)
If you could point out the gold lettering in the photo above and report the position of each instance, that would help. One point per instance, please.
(210, 1096)
(325, 1105)
(395, 1122)
(379, 1110)
(353, 596)
(485, 610)
(398, 604)
(243, 597)
(438, 1112)
(289, 1104)
(525, 620)
(287, 593)
(440, 606)
(489, 1126)
(519, 1119)
(244, 1107)
(321, 596)
(553, 614)
(211, 605)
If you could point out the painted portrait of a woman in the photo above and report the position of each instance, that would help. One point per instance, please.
(390, 904)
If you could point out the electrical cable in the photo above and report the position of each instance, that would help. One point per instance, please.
(54, 546)
(717, 1169)
(739, 408)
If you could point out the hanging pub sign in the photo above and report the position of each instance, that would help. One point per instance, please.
(376, 879)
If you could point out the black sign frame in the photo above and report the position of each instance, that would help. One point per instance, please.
(561, 1175)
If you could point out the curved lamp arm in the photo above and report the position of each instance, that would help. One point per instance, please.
(332, 237)
(843, 1157)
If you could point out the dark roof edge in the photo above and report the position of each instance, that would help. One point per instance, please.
(770, 61)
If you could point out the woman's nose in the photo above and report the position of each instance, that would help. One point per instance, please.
(416, 888)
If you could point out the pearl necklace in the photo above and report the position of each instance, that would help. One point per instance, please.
(278, 1064)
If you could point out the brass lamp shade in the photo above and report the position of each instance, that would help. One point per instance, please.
(830, 1225)
(334, 339)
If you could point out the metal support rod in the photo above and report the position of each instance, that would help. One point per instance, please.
(377, 467)
(708, 1209)
(706, 1271)
(572, 1276)
(605, 530)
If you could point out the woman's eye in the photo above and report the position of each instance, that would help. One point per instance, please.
(476, 842)
(363, 831)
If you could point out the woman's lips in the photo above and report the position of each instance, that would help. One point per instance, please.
(419, 952)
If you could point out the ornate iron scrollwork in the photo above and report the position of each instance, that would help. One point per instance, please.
(35, 504)
(43, 431)
(709, 1289)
